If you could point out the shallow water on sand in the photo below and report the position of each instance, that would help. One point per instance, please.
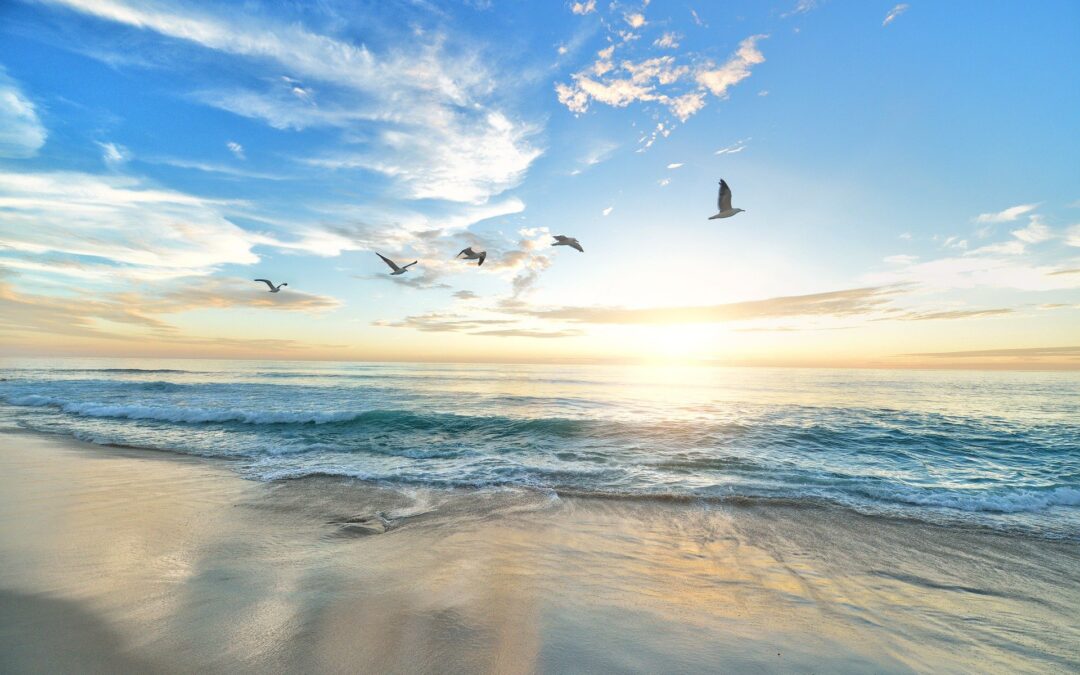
(132, 561)
(998, 450)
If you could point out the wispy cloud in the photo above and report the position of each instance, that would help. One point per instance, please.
(435, 130)
(582, 8)
(834, 303)
(119, 219)
(1008, 215)
(895, 12)
(236, 149)
(681, 88)
(801, 7)
(1072, 235)
(737, 146)
(1035, 232)
(100, 315)
(736, 69)
(668, 40)
(951, 314)
(113, 153)
(21, 132)
(1020, 352)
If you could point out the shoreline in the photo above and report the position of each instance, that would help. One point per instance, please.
(123, 559)
(957, 523)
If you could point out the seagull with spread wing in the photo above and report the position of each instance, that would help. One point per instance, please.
(394, 266)
(473, 255)
(563, 240)
(273, 288)
(724, 202)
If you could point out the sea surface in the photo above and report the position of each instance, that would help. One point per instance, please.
(994, 450)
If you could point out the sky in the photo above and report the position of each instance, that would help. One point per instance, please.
(908, 171)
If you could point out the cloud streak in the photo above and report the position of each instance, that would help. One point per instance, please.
(1008, 215)
(426, 108)
(835, 303)
(21, 131)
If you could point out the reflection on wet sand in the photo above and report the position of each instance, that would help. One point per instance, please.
(123, 560)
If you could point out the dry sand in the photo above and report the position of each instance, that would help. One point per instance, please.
(118, 561)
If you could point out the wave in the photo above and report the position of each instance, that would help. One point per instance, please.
(388, 420)
(181, 415)
(1012, 501)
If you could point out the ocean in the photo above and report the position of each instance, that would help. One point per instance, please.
(997, 450)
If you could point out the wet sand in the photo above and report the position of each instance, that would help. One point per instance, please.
(118, 560)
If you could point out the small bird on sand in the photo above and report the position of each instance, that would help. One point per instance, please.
(473, 255)
(273, 288)
(563, 240)
(724, 202)
(394, 266)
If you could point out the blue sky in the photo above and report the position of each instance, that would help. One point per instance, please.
(908, 172)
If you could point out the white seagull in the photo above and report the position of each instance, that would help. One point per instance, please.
(563, 240)
(473, 255)
(393, 265)
(724, 202)
(273, 288)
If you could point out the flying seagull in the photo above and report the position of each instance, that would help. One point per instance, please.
(563, 240)
(273, 288)
(393, 265)
(724, 202)
(473, 255)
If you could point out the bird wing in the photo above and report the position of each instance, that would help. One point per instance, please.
(388, 261)
(410, 264)
(561, 237)
(466, 251)
(267, 282)
(574, 244)
(483, 257)
(724, 202)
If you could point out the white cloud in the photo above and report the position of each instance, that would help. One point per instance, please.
(674, 165)
(236, 149)
(636, 20)
(734, 70)
(582, 8)
(1035, 232)
(895, 12)
(664, 182)
(901, 259)
(680, 88)
(121, 220)
(1072, 236)
(996, 269)
(453, 162)
(435, 131)
(1009, 214)
(737, 146)
(801, 7)
(667, 41)
(607, 211)
(21, 132)
(113, 153)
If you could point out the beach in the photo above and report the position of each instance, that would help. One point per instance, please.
(124, 560)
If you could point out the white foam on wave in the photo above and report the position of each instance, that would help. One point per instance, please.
(1017, 501)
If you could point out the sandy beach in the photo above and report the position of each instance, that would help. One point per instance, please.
(115, 560)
